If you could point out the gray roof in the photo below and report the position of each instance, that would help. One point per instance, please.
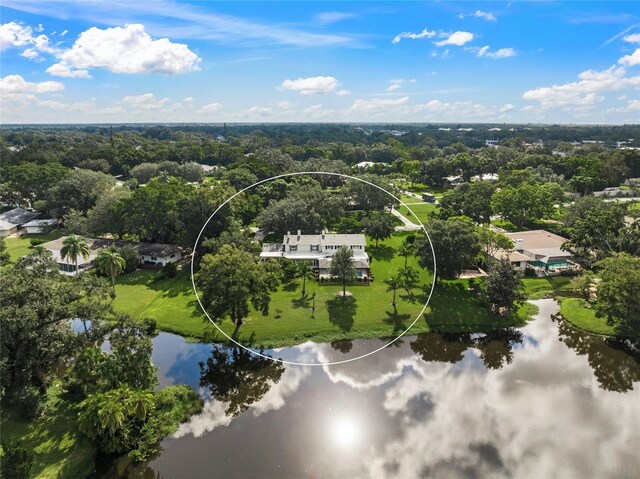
(146, 249)
(16, 217)
(326, 239)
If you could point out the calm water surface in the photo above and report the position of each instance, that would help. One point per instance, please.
(542, 401)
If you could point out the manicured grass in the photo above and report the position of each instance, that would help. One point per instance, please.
(421, 211)
(61, 451)
(171, 302)
(537, 288)
(368, 314)
(582, 315)
(635, 206)
(19, 246)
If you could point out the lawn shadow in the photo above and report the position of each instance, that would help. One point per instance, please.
(382, 252)
(290, 287)
(303, 302)
(397, 320)
(342, 311)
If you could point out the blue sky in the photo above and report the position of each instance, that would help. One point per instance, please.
(167, 60)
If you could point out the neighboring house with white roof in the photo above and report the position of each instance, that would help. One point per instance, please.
(317, 250)
(11, 221)
(539, 250)
(39, 226)
(151, 254)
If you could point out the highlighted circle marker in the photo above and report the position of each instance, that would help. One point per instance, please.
(279, 360)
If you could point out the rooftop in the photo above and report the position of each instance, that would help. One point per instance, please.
(325, 239)
(15, 217)
(95, 244)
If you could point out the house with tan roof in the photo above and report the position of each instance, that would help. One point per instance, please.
(539, 250)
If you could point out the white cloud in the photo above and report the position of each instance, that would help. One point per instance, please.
(506, 107)
(582, 92)
(16, 84)
(343, 92)
(211, 107)
(488, 16)
(128, 50)
(332, 17)
(413, 36)
(394, 86)
(312, 85)
(376, 104)
(454, 111)
(315, 112)
(633, 38)
(501, 53)
(146, 101)
(62, 70)
(188, 99)
(633, 59)
(14, 35)
(64, 32)
(456, 38)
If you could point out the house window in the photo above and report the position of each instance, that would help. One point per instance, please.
(153, 258)
(173, 255)
(293, 248)
(315, 247)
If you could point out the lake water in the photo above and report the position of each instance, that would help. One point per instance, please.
(542, 401)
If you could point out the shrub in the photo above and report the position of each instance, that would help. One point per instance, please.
(37, 241)
(169, 270)
(17, 460)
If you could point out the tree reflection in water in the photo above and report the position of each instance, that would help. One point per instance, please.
(238, 377)
(496, 348)
(615, 361)
(342, 345)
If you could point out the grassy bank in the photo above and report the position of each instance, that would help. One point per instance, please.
(60, 450)
(367, 314)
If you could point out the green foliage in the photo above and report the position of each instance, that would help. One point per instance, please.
(131, 258)
(598, 229)
(618, 298)
(503, 288)
(583, 284)
(73, 247)
(456, 245)
(79, 190)
(38, 338)
(5, 257)
(121, 421)
(379, 227)
(307, 209)
(17, 460)
(472, 200)
(523, 204)
(370, 198)
(169, 270)
(342, 268)
(230, 279)
(110, 263)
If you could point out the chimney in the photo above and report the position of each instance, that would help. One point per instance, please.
(322, 234)
(299, 232)
(519, 244)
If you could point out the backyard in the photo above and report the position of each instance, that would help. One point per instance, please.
(367, 314)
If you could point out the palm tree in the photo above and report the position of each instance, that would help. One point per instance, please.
(304, 271)
(111, 263)
(393, 284)
(405, 250)
(74, 246)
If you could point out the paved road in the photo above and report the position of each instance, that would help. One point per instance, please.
(408, 224)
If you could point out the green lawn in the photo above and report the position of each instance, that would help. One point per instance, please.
(60, 450)
(582, 315)
(368, 314)
(19, 246)
(421, 211)
(537, 288)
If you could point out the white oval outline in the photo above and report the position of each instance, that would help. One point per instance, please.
(295, 363)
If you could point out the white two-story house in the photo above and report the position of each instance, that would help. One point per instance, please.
(317, 250)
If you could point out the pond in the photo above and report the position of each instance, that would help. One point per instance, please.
(545, 400)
